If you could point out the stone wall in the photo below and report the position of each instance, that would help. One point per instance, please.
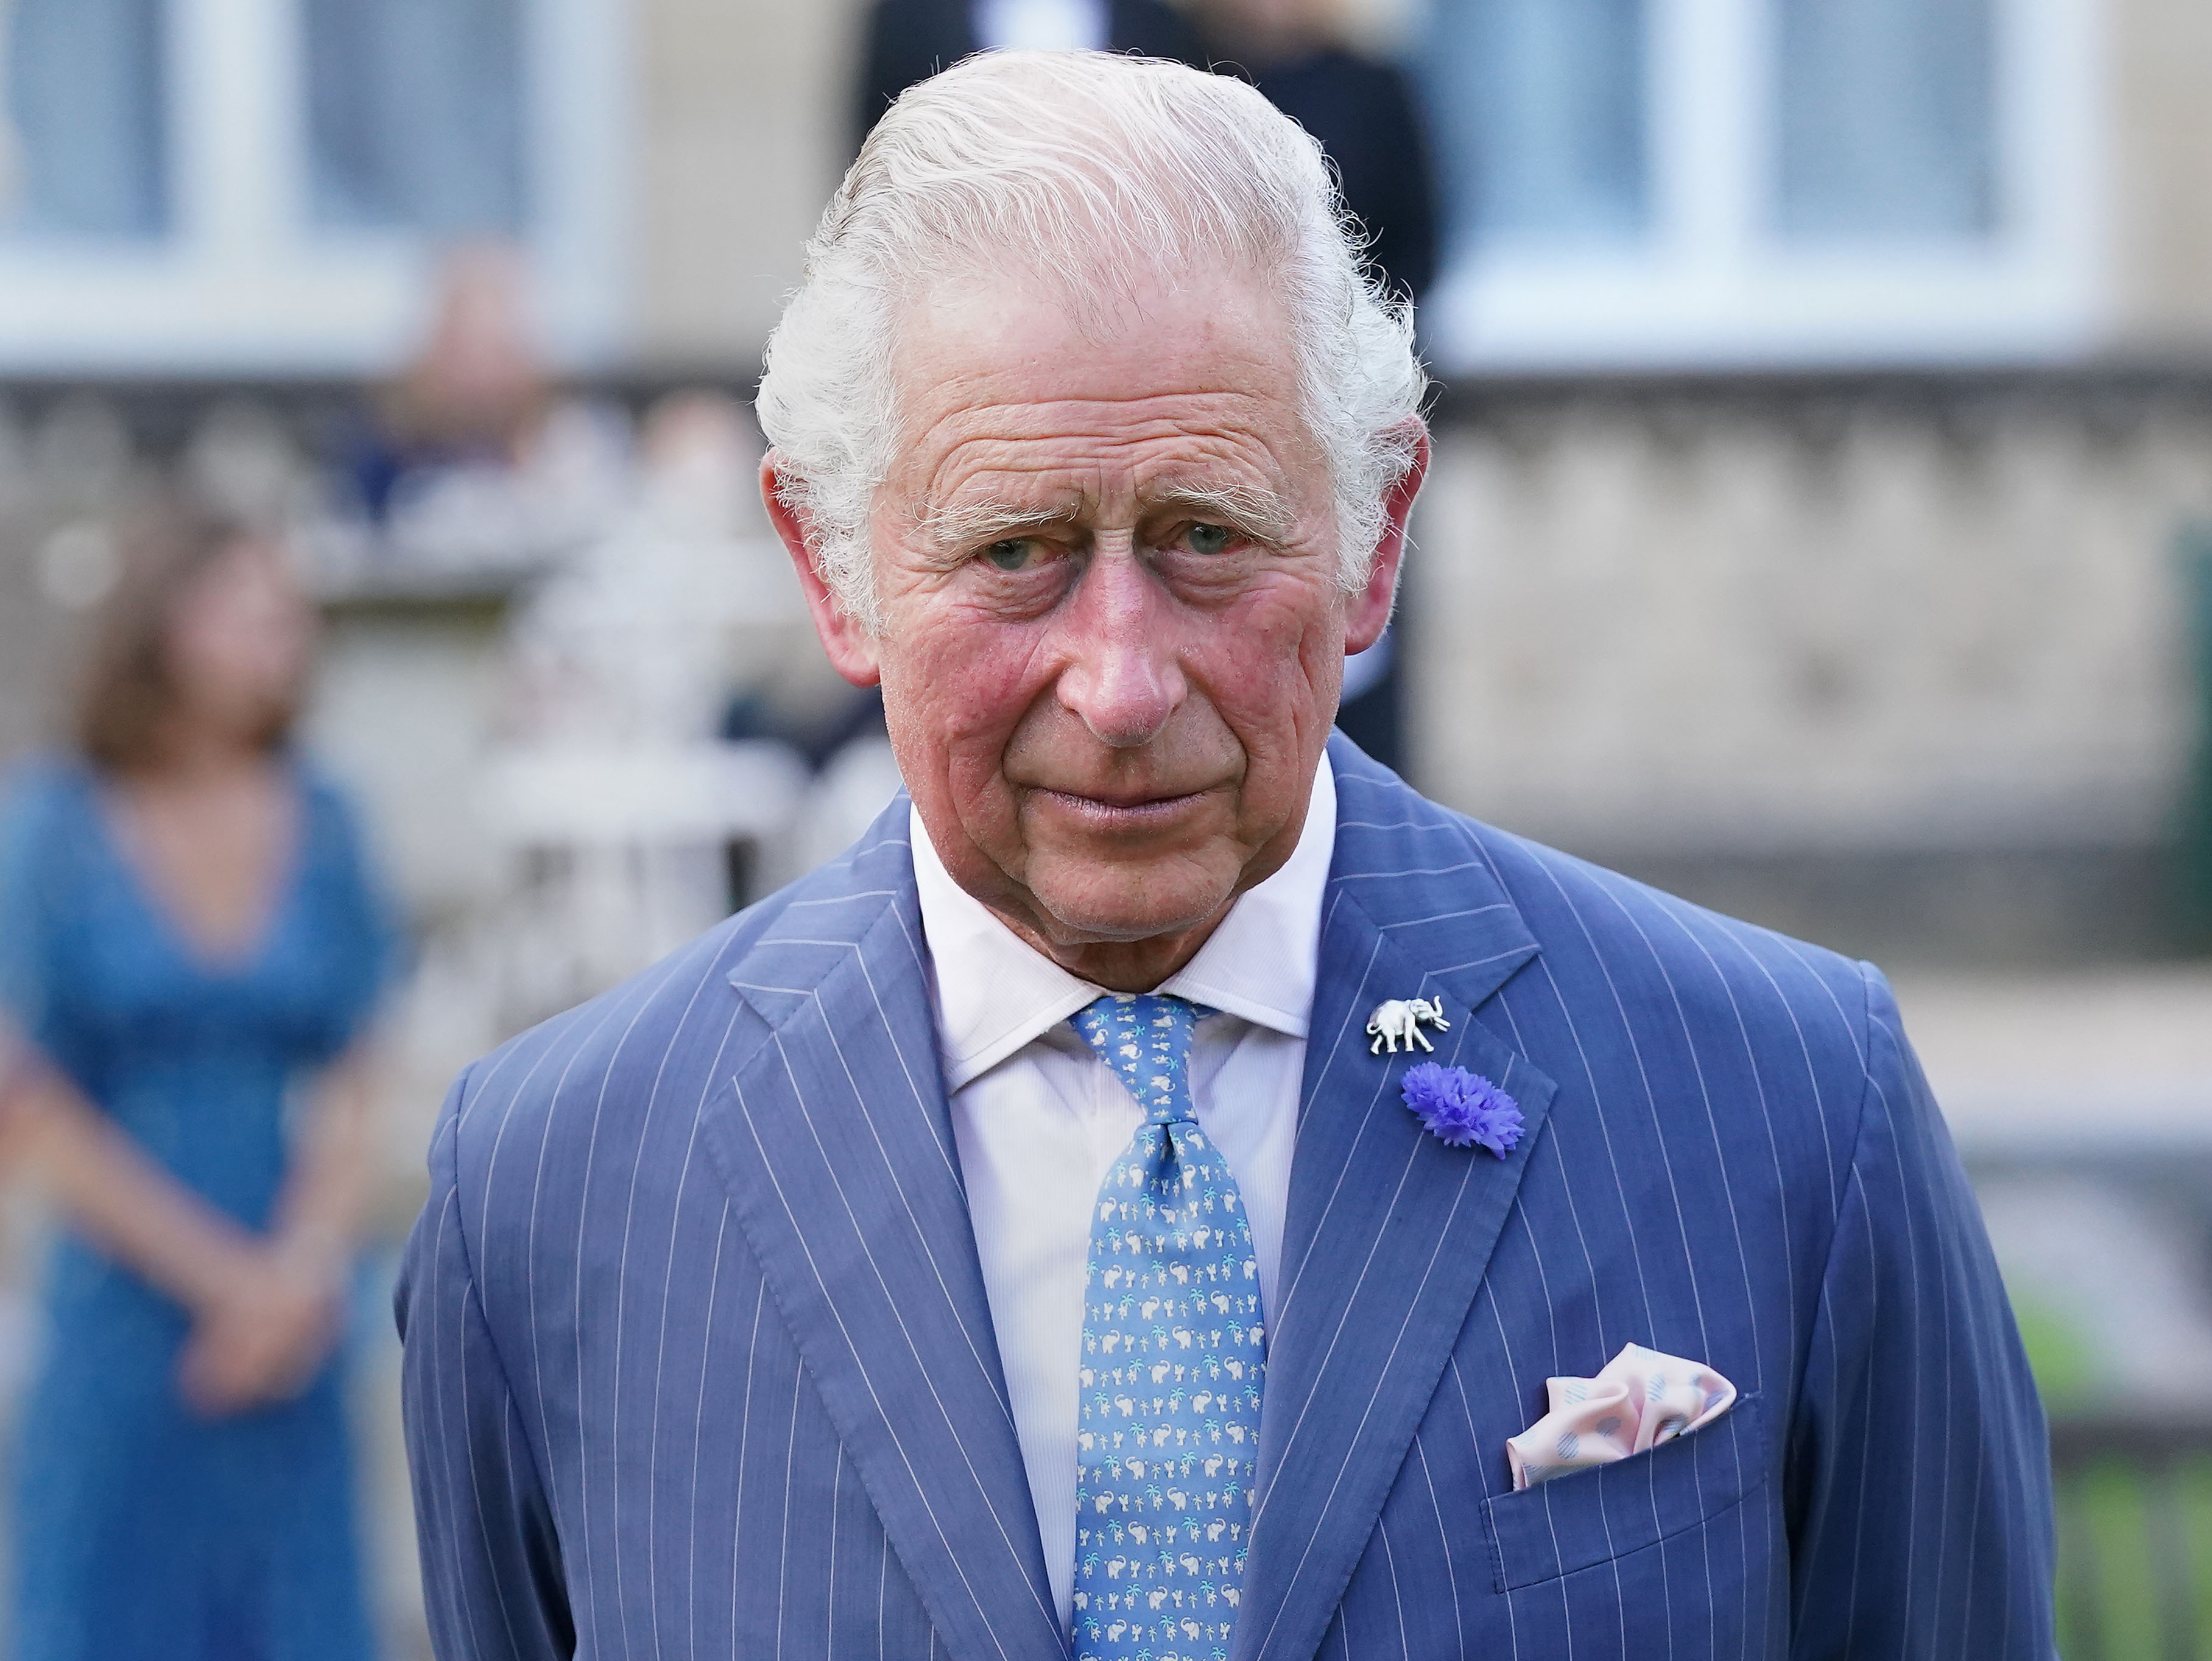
(1900, 665)
(1730, 617)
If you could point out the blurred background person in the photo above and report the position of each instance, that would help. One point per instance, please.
(905, 41)
(474, 393)
(190, 951)
(1366, 114)
(1364, 110)
(470, 459)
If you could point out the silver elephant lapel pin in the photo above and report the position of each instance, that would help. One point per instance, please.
(1401, 1020)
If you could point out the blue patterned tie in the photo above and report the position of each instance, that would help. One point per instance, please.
(1174, 1351)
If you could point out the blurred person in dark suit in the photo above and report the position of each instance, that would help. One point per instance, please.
(910, 41)
(1363, 111)
(1368, 119)
(190, 951)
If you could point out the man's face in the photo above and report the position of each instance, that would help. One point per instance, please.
(1114, 634)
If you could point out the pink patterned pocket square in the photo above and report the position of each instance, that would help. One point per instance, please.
(1643, 1397)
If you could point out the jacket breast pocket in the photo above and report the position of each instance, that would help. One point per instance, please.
(1593, 1516)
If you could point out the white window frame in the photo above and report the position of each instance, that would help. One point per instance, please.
(1713, 286)
(243, 283)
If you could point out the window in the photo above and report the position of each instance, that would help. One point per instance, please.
(1887, 129)
(85, 97)
(1654, 184)
(258, 185)
(1542, 118)
(415, 114)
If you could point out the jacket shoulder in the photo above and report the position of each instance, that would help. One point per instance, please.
(1615, 949)
(1644, 932)
(1663, 1003)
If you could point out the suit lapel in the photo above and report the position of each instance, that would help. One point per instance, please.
(1389, 1231)
(836, 1145)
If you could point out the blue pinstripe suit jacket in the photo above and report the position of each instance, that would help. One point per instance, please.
(699, 1362)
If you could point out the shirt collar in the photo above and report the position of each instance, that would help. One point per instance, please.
(996, 993)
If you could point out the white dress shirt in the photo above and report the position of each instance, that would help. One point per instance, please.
(1040, 1119)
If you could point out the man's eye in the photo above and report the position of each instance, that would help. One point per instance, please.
(1209, 538)
(1014, 554)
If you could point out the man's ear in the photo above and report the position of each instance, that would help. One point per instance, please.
(1367, 612)
(851, 648)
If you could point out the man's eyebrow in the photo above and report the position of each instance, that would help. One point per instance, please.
(1259, 513)
(950, 529)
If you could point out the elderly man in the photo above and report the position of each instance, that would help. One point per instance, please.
(1018, 1239)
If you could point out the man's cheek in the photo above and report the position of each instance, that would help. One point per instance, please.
(990, 695)
(1279, 625)
(1265, 678)
(971, 683)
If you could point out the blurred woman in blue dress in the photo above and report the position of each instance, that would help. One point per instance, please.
(190, 952)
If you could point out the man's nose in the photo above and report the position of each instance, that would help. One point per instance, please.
(1121, 677)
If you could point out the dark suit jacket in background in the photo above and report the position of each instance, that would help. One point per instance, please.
(1368, 117)
(699, 1359)
(905, 41)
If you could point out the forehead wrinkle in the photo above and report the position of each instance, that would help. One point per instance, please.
(1099, 465)
(989, 469)
(1002, 491)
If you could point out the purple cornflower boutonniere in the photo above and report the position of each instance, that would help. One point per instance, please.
(1459, 1108)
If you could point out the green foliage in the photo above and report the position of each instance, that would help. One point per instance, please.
(2115, 1528)
(2119, 1524)
(2065, 1365)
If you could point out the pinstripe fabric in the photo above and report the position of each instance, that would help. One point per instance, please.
(699, 1360)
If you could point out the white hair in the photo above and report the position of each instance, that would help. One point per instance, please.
(1095, 171)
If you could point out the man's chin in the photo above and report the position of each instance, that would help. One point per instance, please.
(1150, 901)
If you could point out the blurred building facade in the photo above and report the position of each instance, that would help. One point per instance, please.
(232, 186)
(1827, 381)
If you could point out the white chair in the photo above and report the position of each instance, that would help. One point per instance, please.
(617, 856)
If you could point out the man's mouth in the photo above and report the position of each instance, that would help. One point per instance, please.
(1119, 810)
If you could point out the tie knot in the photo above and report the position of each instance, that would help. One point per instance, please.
(1145, 1037)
